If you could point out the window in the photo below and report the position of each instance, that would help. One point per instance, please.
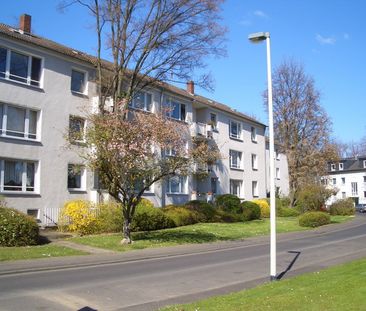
(364, 178)
(175, 110)
(78, 81)
(236, 187)
(34, 213)
(177, 184)
(20, 67)
(235, 130)
(364, 194)
(213, 121)
(214, 185)
(341, 166)
(253, 134)
(277, 155)
(76, 129)
(278, 175)
(332, 167)
(343, 195)
(334, 181)
(18, 122)
(254, 162)
(354, 189)
(235, 159)
(364, 163)
(17, 175)
(142, 101)
(255, 188)
(343, 180)
(76, 177)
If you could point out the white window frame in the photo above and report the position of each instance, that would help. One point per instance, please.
(82, 178)
(4, 130)
(340, 165)
(24, 177)
(354, 188)
(255, 192)
(334, 181)
(168, 105)
(146, 105)
(278, 173)
(278, 155)
(213, 122)
(239, 159)
(29, 69)
(364, 163)
(343, 180)
(83, 130)
(254, 162)
(183, 185)
(239, 135)
(239, 186)
(332, 167)
(253, 134)
(86, 79)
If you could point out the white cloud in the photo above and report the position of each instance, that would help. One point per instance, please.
(260, 13)
(325, 40)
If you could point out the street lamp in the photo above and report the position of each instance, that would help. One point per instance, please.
(257, 38)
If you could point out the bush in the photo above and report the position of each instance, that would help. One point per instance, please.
(205, 211)
(225, 217)
(251, 210)
(287, 212)
(147, 218)
(110, 217)
(229, 203)
(313, 197)
(181, 215)
(264, 206)
(17, 229)
(79, 216)
(344, 207)
(314, 219)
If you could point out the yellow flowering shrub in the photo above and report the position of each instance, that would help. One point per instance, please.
(79, 216)
(263, 204)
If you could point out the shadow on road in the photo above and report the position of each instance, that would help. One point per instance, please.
(282, 274)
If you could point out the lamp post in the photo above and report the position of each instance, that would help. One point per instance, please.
(256, 38)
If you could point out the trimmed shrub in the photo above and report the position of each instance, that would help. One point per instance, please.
(79, 216)
(287, 212)
(225, 217)
(181, 215)
(110, 217)
(17, 229)
(148, 218)
(206, 212)
(344, 207)
(251, 210)
(264, 206)
(314, 219)
(229, 203)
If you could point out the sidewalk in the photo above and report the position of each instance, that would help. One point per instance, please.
(101, 256)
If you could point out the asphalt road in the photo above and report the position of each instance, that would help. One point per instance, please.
(147, 284)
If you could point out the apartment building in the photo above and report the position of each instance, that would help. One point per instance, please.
(47, 88)
(348, 178)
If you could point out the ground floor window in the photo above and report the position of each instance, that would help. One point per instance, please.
(177, 184)
(17, 175)
(255, 188)
(236, 187)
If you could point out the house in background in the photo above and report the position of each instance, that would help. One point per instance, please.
(348, 178)
(45, 91)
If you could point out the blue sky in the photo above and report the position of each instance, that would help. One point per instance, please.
(326, 36)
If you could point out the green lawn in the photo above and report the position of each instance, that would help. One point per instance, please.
(39, 251)
(335, 289)
(198, 233)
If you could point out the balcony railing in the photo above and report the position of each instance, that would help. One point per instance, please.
(201, 130)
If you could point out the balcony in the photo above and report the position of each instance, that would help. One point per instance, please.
(203, 130)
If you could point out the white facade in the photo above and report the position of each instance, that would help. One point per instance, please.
(45, 90)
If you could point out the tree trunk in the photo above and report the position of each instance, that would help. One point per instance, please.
(126, 231)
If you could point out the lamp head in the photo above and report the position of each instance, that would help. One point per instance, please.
(258, 37)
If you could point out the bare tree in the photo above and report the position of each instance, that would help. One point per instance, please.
(302, 127)
(152, 41)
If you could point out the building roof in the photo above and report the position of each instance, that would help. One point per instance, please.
(349, 165)
(14, 33)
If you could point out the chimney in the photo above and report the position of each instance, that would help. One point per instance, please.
(190, 87)
(25, 23)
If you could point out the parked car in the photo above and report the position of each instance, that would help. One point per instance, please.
(361, 208)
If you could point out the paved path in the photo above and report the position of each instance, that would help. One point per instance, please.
(147, 279)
